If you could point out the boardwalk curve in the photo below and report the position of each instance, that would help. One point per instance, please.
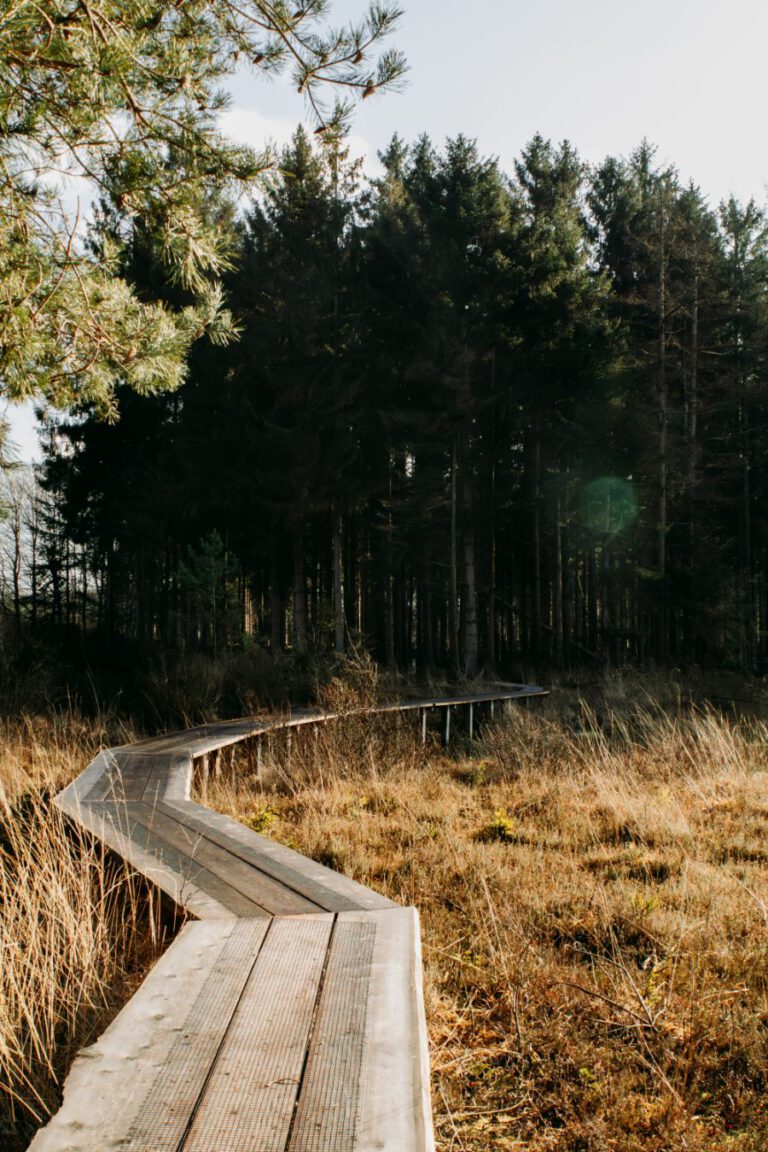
(288, 1015)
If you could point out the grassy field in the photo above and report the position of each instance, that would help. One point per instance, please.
(76, 929)
(594, 904)
(593, 888)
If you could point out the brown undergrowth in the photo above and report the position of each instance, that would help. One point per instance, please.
(77, 928)
(594, 907)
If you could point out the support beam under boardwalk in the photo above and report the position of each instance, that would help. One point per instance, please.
(298, 1034)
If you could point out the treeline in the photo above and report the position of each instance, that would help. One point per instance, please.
(472, 419)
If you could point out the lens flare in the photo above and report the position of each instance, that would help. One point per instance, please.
(609, 505)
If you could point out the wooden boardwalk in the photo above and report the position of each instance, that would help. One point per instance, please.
(288, 1016)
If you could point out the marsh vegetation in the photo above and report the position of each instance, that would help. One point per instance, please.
(77, 928)
(593, 893)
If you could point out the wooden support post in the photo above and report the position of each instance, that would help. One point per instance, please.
(288, 744)
(493, 708)
(423, 725)
(447, 725)
(204, 777)
(471, 721)
(316, 731)
(216, 763)
(258, 758)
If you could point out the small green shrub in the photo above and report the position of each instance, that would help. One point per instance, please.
(501, 829)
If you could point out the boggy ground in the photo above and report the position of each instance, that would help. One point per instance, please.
(77, 929)
(594, 906)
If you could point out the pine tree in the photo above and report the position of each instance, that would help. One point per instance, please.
(127, 96)
(559, 371)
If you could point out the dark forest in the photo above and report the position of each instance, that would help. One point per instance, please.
(472, 420)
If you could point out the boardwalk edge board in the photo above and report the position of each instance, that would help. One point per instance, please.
(289, 1015)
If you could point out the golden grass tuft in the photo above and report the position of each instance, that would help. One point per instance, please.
(75, 925)
(594, 905)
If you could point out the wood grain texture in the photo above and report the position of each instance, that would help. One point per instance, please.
(326, 888)
(166, 1113)
(182, 877)
(329, 1104)
(228, 869)
(251, 1092)
(110, 1081)
(395, 1110)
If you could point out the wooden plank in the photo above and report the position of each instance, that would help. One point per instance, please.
(169, 1106)
(238, 875)
(126, 776)
(326, 888)
(395, 1111)
(208, 737)
(177, 873)
(109, 1081)
(78, 792)
(173, 781)
(179, 887)
(250, 1096)
(329, 1102)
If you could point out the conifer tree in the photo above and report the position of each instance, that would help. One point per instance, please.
(127, 95)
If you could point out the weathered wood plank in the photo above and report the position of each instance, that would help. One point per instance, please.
(78, 792)
(171, 782)
(236, 874)
(168, 1108)
(326, 888)
(182, 877)
(251, 1092)
(181, 889)
(395, 1111)
(328, 1110)
(110, 1081)
(208, 737)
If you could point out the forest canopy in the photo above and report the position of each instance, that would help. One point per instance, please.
(125, 96)
(474, 419)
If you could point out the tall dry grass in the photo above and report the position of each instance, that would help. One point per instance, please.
(75, 926)
(594, 903)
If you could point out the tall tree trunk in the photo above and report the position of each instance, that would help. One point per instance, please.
(747, 630)
(17, 564)
(469, 582)
(338, 585)
(692, 469)
(537, 620)
(351, 598)
(593, 625)
(299, 590)
(662, 615)
(276, 602)
(34, 533)
(426, 649)
(490, 650)
(568, 583)
(557, 581)
(453, 608)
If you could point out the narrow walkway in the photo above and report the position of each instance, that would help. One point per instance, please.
(289, 1017)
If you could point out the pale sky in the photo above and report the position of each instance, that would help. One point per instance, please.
(690, 75)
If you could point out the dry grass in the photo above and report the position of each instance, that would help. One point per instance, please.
(75, 926)
(594, 902)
